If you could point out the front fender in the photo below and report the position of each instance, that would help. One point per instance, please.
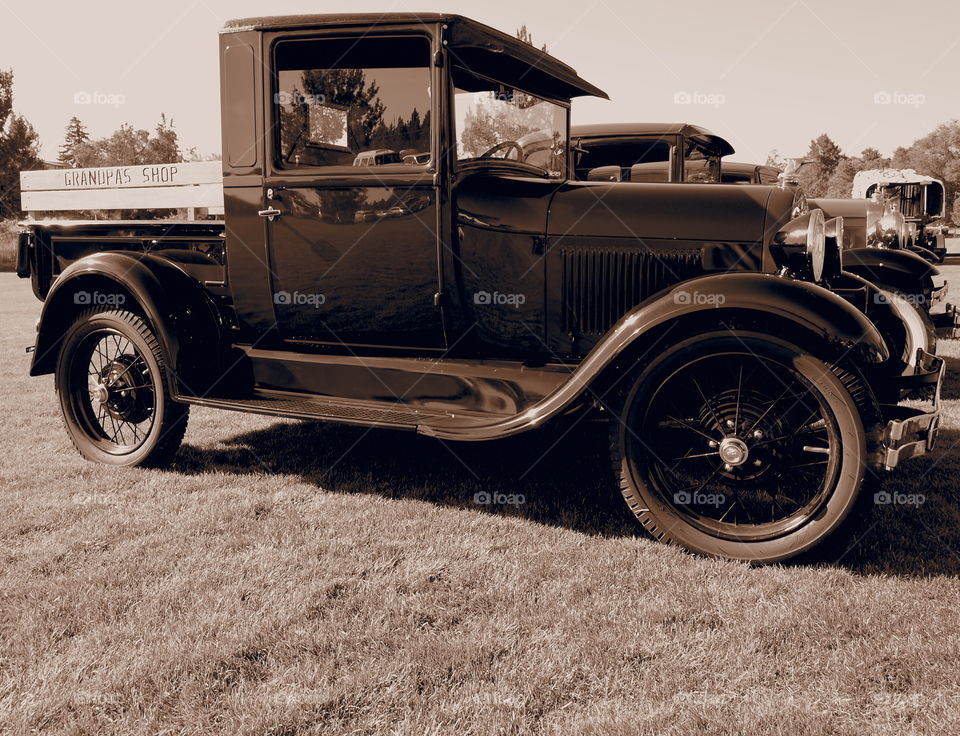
(897, 269)
(176, 306)
(805, 306)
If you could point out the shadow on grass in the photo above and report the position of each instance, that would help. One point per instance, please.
(563, 480)
(567, 481)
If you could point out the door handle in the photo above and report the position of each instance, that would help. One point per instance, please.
(271, 213)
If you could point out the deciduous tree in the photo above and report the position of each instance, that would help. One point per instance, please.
(19, 149)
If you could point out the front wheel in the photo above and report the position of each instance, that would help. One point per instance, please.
(111, 381)
(741, 445)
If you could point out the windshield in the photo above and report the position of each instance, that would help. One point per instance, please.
(499, 123)
(700, 163)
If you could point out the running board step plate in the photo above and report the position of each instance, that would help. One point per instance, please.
(365, 413)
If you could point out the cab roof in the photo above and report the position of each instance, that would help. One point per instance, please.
(688, 130)
(472, 44)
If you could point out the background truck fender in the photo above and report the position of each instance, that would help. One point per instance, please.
(902, 270)
(182, 315)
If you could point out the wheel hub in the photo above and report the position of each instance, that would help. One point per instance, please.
(100, 393)
(734, 451)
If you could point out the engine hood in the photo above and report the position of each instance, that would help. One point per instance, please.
(848, 209)
(707, 212)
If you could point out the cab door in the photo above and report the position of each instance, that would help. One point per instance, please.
(351, 206)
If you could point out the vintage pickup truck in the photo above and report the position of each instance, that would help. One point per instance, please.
(474, 290)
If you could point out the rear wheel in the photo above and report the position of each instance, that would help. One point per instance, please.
(741, 445)
(112, 385)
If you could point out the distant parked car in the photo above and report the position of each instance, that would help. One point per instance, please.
(417, 158)
(683, 152)
(920, 199)
(650, 152)
(379, 157)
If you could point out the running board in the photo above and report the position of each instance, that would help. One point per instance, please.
(344, 411)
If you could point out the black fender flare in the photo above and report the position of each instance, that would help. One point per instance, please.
(808, 307)
(925, 253)
(902, 270)
(183, 316)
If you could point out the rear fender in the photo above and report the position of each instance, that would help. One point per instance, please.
(181, 313)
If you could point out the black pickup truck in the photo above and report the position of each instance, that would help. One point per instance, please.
(404, 246)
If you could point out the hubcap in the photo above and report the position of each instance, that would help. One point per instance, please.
(734, 451)
(100, 393)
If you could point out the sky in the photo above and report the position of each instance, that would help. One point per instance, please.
(765, 74)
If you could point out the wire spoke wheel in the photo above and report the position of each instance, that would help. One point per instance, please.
(738, 461)
(117, 409)
(111, 383)
(742, 445)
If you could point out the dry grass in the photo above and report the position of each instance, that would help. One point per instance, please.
(290, 578)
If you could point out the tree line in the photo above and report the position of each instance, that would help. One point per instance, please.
(831, 172)
(126, 146)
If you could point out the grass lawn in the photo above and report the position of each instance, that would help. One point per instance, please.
(291, 578)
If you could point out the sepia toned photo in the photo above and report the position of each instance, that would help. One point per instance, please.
(480, 368)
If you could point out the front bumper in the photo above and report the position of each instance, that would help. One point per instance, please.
(911, 432)
(939, 293)
(947, 322)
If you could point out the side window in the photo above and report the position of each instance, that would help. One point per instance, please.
(641, 159)
(359, 102)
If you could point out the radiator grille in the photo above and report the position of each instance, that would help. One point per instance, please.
(911, 200)
(601, 284)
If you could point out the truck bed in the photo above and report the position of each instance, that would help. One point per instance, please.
(48, 247)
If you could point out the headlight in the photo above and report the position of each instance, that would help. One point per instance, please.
(909, 234)
(891, 230)
(800, 246)
(833, 230)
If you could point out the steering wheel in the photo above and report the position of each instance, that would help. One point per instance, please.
(504, 144)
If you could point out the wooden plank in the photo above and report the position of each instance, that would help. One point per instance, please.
(123, 177)
(203, 195)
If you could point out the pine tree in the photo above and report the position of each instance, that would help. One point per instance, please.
(76, 134)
